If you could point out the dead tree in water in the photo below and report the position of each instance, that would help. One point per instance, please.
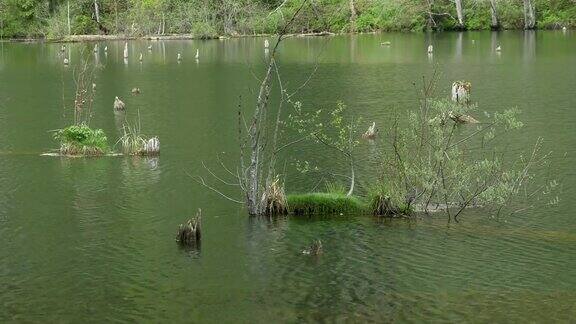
(258, 148)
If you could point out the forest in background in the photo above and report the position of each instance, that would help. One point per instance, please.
(212, 18)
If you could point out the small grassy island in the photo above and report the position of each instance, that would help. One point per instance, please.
(81, 140)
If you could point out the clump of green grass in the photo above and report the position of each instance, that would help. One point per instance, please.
(81, 140)
(320, 203)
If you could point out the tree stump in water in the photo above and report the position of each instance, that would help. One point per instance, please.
(119, 104)
(152, 147)
(461, 95)
(190, 233)
(371, 132)
(314, 249)
(461, 91)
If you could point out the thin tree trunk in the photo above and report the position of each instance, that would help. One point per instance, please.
(116, 14)
(69, 27)
(460, 13)
(96, 11)
(353, 15)
(495, 24)
(529, 17)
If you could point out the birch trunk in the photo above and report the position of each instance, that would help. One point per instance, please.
(353, 15)
(495, 24)
(96, 11)
(529, 17)
(69, 27)
(460, 13)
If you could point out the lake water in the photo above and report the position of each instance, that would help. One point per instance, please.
(93, 239)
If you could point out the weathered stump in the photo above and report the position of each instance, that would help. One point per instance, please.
(190, 233)
(461, 92)
(371, 132)
(119, 104)
(152, 146)
(314, 249)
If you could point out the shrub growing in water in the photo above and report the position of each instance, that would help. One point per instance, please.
(81, 140)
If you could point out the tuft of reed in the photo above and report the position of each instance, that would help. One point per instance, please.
(324, 203)
(134, 143)
(275, 199)
(190, 233)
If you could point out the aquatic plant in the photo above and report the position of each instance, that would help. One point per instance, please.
(320, 203)
(81, 140)
(133, 142)
(437, 161)
(275, 199)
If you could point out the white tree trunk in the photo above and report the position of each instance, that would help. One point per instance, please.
(69, 27)
(529, 17)
(495, 24)
(460, 13)
(96, 11)
(353, 16)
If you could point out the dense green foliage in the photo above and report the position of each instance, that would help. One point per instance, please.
(208, 18)
(81, 140)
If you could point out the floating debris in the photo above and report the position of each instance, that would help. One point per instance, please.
(63, 48)
(498, 48)
(430, 49)
(149, 47)
(179, 57)
(93, 87)
(66, 61)
(119, 104)
(190, 233)
(135, 91)
(386, 43)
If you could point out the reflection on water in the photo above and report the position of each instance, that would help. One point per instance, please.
(95, 238)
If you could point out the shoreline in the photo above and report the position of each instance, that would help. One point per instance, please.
(98, 38)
